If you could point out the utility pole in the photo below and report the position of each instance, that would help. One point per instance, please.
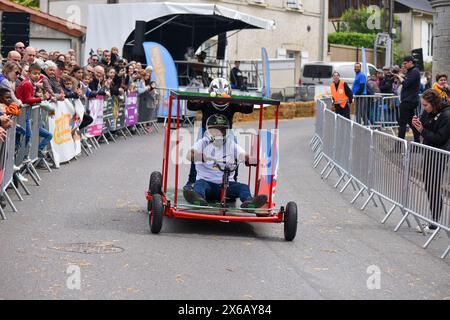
(388, 26)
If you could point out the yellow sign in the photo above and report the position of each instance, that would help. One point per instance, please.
(62, 132)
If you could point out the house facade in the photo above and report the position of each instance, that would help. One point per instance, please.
(415, 18)
(47, 31)
(300, 34)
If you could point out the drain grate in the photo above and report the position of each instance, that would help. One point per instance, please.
(89, 248)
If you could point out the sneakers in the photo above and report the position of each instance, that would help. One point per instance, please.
(21, 177)
(41, 154)
(426, 228)
(16, 168)
(189, 186)
(194, 198)
(254, 203)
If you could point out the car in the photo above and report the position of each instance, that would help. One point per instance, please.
(320, 73)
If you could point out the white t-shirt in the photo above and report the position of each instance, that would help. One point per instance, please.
(228, 151)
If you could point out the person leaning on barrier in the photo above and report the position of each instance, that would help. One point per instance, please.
(441, 86)
(342, 96)
(386, 81)
(98, 85)
(409, 97)
(148, 94)
(30, 93)
(7, 104)
(8, 78)
(7, 108)
(51, 81)
(434, 127)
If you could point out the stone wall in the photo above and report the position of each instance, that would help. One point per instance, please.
(441, 46)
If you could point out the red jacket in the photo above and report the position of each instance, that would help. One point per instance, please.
(25, 93)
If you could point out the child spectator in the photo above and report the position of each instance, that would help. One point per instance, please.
(70, 87)
(7, 105)
(26, 92)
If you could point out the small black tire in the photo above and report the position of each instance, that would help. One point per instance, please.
(155, 184)
(290, 221)
(156, 214)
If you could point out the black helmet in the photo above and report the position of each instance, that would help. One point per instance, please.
(217, 127)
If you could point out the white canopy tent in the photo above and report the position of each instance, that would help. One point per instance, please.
(110, 25)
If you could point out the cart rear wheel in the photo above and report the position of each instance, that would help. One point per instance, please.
(156, 213)
(290, 221)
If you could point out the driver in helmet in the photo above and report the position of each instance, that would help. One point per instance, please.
(217, 146)
(218, 86)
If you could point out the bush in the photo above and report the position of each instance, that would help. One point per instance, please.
(352, 39)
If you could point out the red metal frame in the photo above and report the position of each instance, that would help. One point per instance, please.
(172, 212)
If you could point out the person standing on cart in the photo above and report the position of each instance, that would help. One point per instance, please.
(342, 96)
(217, 87)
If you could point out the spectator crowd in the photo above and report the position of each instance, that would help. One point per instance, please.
(35, 77)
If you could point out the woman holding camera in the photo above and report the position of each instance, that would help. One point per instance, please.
(434, 127)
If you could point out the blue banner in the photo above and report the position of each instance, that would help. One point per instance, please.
(164, 73)
(266, 73)
(365, 67)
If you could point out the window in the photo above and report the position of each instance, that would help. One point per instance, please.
(430, 40)
(427, 39)
(290, 55)
(346, 71)
(317, 71)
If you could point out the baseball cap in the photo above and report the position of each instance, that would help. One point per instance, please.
(408, 58)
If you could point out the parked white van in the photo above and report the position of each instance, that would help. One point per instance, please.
(320, 73)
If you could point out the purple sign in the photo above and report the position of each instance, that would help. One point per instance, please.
(131, 109)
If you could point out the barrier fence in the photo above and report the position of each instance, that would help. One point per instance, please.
(411, 178)
(113, 117)
(379, 110)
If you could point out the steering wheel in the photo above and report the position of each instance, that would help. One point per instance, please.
(225, 165)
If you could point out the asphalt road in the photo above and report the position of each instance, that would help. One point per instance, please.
(100, 200)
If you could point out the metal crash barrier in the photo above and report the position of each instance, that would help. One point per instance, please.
(19, 153)
(411, 178)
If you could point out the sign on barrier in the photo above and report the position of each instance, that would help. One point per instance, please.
(9, 162)
(114, 113)
(131, 109)
(96, 106)
(63, 144)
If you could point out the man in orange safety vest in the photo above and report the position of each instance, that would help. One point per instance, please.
(342, 96)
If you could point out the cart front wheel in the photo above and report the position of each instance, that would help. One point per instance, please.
(154, 187)
(156, 213)
(290, 221)
(155, 184)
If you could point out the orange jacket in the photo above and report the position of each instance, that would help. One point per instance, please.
(339, 96)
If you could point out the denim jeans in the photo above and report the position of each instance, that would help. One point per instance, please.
(211, 191)
(27, 132)
(47, 137)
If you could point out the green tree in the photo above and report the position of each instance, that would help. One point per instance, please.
(33, 4)
(363, 20)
